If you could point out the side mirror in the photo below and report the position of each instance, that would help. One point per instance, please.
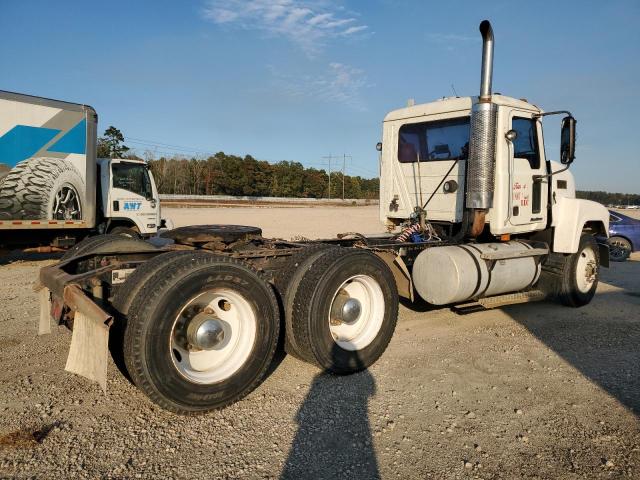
(568, 140)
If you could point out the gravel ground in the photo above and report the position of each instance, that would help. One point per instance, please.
(535, 391)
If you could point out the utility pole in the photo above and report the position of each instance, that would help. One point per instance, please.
(329, 157)
(344, 162)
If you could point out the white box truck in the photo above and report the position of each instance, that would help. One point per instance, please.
(53, 189)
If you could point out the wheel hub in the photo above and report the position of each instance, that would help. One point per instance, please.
(345, 309)
(351, 310)
(590, 271)
(205, 332)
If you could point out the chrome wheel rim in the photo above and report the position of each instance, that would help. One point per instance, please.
(213, 336)
(66, 204)
(357, 312)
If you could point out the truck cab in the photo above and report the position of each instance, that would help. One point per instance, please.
(128, 197)
(424, 163)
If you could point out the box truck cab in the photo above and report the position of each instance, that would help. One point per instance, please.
(53, 189)
(128, 197)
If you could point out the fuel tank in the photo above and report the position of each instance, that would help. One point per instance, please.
(456, 273)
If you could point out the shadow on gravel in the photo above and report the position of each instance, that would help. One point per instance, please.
(334, 436)
(601, 340)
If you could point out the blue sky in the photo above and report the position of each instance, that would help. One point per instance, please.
(302, 79)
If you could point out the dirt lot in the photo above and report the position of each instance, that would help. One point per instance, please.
(535, 391)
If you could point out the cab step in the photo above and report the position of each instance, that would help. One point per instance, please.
(499, 301)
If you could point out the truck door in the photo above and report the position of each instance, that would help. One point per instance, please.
(528, 196)
(132, 195)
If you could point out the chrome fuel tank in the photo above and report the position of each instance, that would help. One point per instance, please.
(453, 274)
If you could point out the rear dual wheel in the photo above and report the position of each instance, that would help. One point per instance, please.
(343, 308)
(200, 333)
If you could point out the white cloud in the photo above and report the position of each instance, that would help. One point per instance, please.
(352, 30)
(342, 84)
(306, 23)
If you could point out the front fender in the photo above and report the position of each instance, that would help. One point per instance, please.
(571, 216)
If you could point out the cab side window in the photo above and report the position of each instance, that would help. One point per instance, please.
(526, 143)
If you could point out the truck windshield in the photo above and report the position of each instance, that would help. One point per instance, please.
(133, 177)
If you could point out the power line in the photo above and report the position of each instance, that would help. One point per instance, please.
(329, 157)
(171, 149)
(344, 161)
(161, 144)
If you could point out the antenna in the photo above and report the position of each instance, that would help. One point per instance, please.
(454, 90)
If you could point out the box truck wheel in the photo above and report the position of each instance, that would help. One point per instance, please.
(345, 310)
(42, 188)
(131, 232)
(94, 244)
(201, 333)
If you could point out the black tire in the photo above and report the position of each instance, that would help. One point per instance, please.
(125, 232)
(123, 297)
(286, 282)
(560, 273)
(151, 316)
(619, 249)
(312, 302)
(29, 191)
(97, 243)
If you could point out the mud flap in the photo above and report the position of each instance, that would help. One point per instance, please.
(603, 250)
(89, 349)
(400, 272)
(44, 326)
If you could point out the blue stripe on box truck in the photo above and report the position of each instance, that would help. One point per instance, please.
(74, 141)
(22, 141)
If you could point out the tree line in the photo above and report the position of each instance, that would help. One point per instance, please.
(608, 198)
(223, 174)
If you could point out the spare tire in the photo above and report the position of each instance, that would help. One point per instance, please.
(42, 188)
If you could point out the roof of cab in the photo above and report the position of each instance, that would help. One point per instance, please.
(454, 104)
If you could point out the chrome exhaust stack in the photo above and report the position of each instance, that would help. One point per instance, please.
(486, 72)
(482, 145)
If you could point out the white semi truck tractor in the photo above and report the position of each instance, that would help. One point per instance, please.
(477, 215)
(53, 189)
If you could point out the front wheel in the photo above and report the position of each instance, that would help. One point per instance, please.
(201, 333)
(580, 274)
